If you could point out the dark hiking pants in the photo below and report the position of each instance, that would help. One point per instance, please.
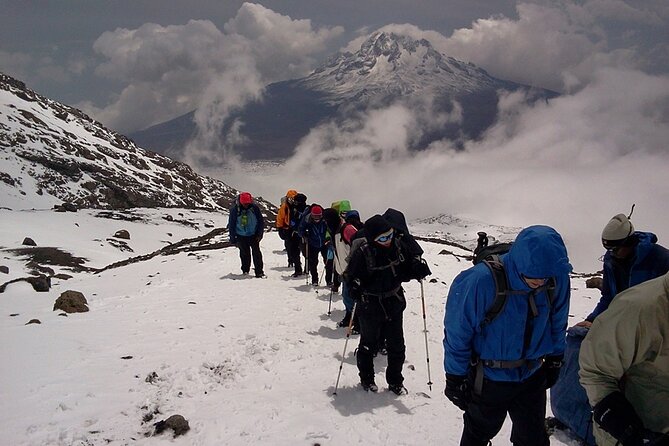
(381, 318)
(313, 261)
(525, 402)
(250, 246)
(293, 248)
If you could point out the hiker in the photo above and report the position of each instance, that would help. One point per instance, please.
(342, 234)
(285, 223)
(500, 359)
(625, 367)
(313, 230)
(377, 267)
(332, 276)
(353, 217)
(246, 226)
(297, 211)
(631, 257)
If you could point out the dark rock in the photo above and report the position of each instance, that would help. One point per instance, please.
(122, 234)
(40, 283)
(4, 269)
(71, 302)
(62, 276)
(126, 357)
(176, 422)
(13, 314)
(33, 321)
(29, 242)
(594, 282)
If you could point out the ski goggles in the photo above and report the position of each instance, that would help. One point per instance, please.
(385, 237)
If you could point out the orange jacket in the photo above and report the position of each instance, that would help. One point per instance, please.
(283, 217)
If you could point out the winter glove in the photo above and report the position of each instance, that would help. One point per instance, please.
(419, 269)
(615, 415)
(355, 289)
(551, 366)
(457, 390)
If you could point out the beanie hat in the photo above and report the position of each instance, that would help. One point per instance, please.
(300, 198)
(352, 214)
(617, 230)
(376, 226)
(316, 211)
(245, 198)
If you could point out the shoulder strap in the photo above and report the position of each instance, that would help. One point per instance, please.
(496, 267)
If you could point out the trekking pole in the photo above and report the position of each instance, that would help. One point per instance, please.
(427, 352)
(330, 304)
(343, 354)
(306, 261)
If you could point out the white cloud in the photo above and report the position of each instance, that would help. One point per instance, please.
(572, 163)
(171, 70)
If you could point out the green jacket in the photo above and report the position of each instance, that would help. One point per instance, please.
(627, 349)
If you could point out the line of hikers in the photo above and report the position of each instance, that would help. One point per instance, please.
(505, 325)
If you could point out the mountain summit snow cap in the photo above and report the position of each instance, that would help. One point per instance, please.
(245, 198)
(617, 229)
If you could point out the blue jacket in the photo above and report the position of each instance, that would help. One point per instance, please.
(650, 261)
(538, 252)
(245, 222)
(316, 232)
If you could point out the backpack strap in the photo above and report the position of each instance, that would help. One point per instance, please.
(371, 262)
(496, 267)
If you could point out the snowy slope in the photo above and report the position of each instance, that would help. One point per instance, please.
(245, 361)
(51, 153)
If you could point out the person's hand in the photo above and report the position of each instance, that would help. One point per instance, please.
(586, 324)
(420, 269)
(457, 390)
(551, 366)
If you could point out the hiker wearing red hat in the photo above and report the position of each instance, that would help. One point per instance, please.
(313, 228)
(246, 226)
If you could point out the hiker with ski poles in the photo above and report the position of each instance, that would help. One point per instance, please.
(379, 263)
(504, 338)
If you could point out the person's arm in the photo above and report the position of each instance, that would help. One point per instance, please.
(560, 315)
(460, 323)
(260, 226)
(607, 293)
(232, 223)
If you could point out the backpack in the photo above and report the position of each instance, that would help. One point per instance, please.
(490, 256)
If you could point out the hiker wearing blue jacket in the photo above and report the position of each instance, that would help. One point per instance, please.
(504, 364)
(246, 226)
(314, 230)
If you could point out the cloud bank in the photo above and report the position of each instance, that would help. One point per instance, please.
(171, 70)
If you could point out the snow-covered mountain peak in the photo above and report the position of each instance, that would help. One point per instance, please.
(397, 64)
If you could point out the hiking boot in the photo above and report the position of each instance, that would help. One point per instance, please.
(347, 319)
(369, 386)
(397, 389)
(245, 273)
(314, 283)
(335, 288)
(260, 275)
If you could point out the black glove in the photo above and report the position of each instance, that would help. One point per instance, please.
(615, 415)
(551, 366)
(419, 269)
(355, 289)
(457, 390)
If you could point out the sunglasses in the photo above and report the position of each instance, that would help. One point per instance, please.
(383, 238)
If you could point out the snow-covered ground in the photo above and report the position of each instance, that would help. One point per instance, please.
(245, 361)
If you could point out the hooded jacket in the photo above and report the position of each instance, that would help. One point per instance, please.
(627, 349)
(245, 222)
(283, 216)
(650, 260)
(538, 252)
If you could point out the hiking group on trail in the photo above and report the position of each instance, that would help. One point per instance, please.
(506, 339)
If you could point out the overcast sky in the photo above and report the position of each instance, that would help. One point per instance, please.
(572, 163)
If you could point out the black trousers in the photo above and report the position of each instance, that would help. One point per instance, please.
(250, 246)
(525, 402)
(381, 318)
(293, 249)
(313, 262)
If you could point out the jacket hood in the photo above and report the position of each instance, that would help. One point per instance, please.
(537, 252)
(396, 220)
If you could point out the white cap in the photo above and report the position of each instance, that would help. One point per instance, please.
(618, 228)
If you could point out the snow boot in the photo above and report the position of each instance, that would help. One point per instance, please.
(347, 319)
(397, 389)
(369, 386)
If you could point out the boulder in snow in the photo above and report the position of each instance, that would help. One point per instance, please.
(29, 242)
(71, 302)
(122, 234)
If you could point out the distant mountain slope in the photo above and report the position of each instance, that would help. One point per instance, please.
(50, 153)
(388, 68)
